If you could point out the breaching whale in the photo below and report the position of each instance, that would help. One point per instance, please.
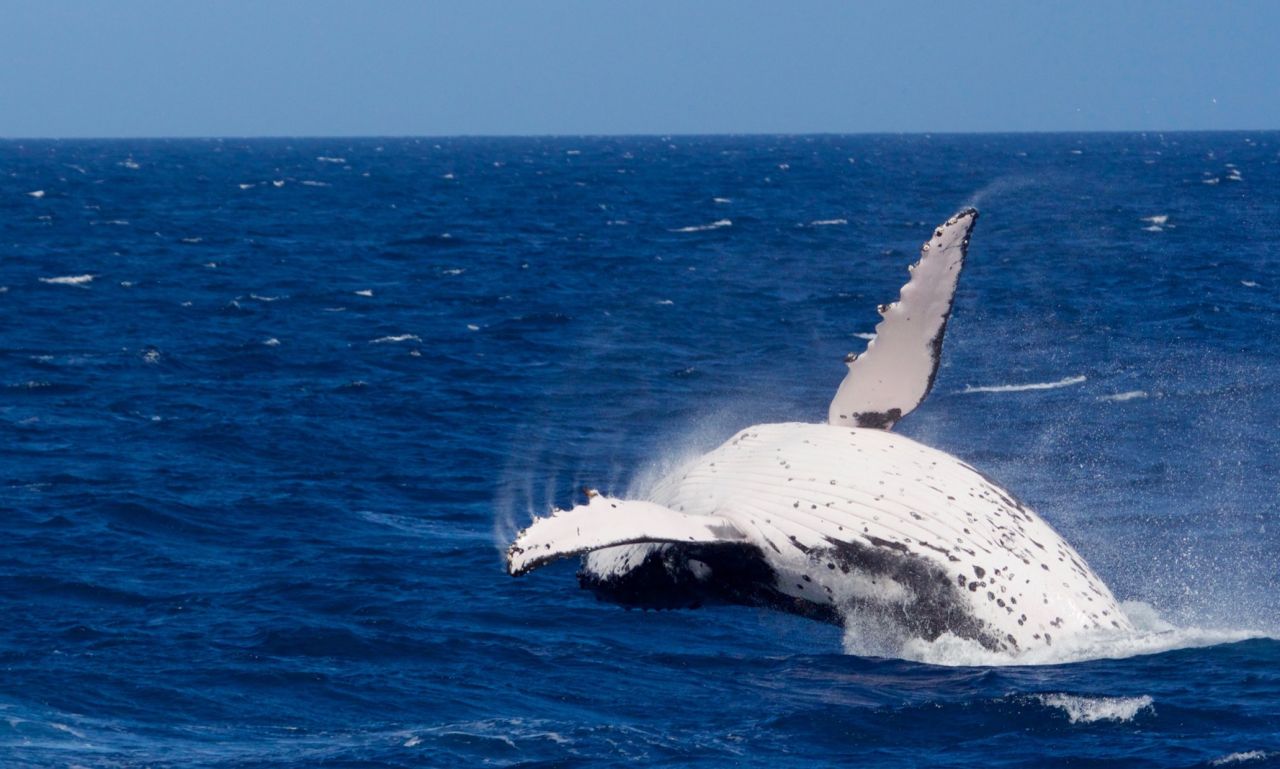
(845, 519)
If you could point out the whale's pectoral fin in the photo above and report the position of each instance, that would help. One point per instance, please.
(896, 371)
(606, 522)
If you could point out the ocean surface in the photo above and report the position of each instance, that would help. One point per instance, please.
(272, 410)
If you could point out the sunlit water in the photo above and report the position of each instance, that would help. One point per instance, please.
(273, 408)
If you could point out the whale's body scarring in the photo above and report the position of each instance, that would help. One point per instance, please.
(845, 518)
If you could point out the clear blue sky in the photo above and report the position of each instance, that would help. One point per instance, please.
(385, 67)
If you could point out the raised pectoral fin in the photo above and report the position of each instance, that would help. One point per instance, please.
(896, 372)
(607, 522)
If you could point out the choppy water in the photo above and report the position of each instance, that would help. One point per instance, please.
(270, 409)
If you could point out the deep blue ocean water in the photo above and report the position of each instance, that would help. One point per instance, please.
(271, 409)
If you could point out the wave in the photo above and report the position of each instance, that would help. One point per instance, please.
(704, 227)
(1087, 710)
(69, 280)
(827, 222)
(1017, 388)
(400, 338)
(1125, 396)
(1240, 758)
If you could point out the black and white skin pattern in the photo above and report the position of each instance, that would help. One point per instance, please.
(845, 519)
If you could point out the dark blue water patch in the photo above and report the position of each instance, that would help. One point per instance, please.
(272, 407)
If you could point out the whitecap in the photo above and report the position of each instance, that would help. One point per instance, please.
(1015, 388)
(267, 298)
(193, 240)
(310, 183)
(151, 356)
(36, 193)
(400, 338)
(69, 280)
(665, 301)
(1124, 396)
(247, 186)
(1249, 283)
(272, 342)
(453, 271)
(449, 176)
(704, 227)
(827, 222)
(277, 182)
(365, 292)
(1088, 710)
(1153, 228)
(1157, 219)
(722, 201)
(1212, 180)
(1239, 758)
(129, 163)
(327, 159)
(472, 327)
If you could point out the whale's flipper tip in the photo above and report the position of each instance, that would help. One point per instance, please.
(607, 522)
(896, 372)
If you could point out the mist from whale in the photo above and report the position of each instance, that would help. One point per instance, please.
(846, 521)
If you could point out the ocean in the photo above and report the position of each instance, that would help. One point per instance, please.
(273, 409)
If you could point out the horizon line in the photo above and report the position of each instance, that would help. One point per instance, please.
(638, 135)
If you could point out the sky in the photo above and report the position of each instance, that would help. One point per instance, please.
(130, 68)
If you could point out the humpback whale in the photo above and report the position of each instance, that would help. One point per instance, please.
(846, 519)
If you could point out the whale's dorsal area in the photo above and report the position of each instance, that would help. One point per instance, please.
(828, 520)
(896, 371)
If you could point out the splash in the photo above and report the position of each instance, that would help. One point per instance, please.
(1152, 635)
(999, 187)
